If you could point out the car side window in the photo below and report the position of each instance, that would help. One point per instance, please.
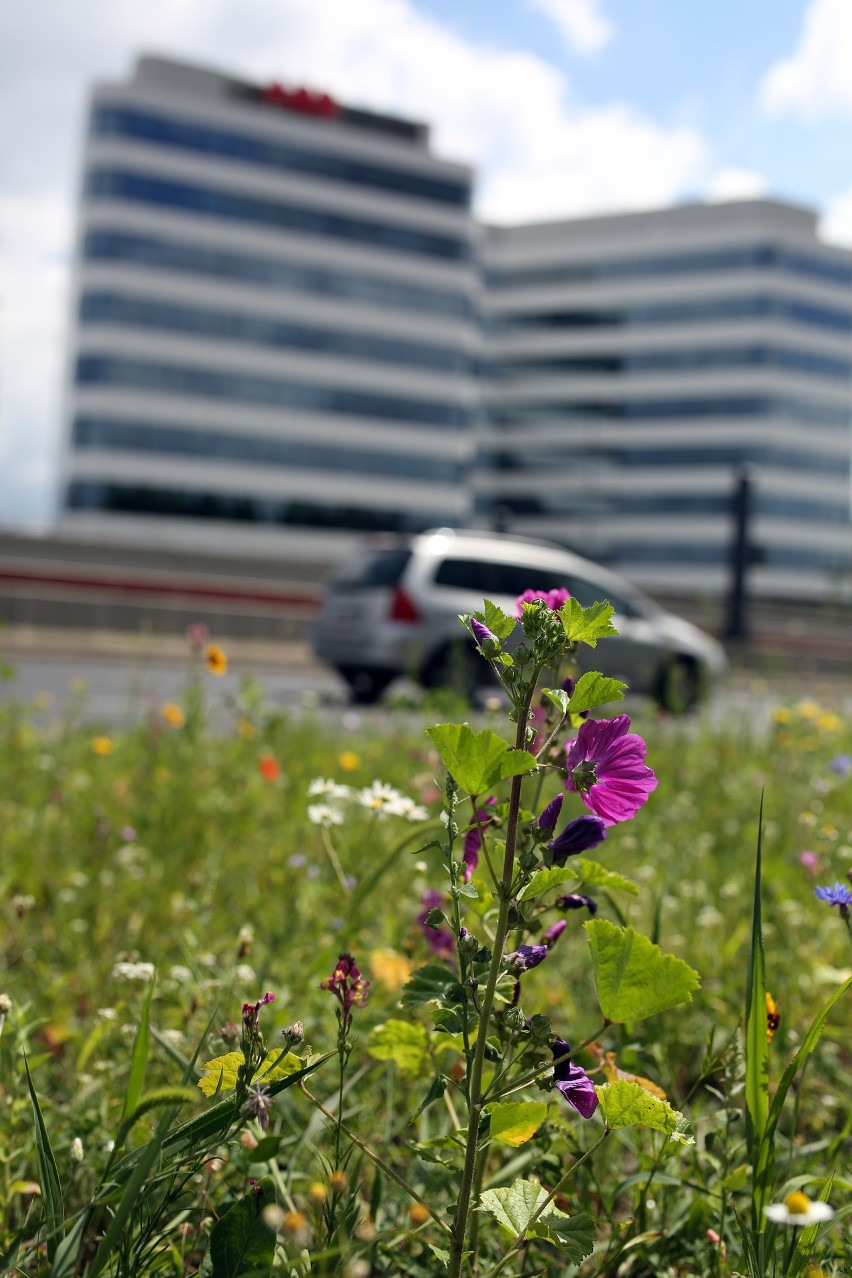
(587, 593)
(475, 575)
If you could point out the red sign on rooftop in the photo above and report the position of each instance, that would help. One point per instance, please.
(302, 100)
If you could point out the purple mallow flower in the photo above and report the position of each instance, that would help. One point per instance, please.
(553, 933)
(606, 765)
(472, 841)
(576, 901)
(572, 1080)
(482, 634)
(525, 958)
(839, 895)
(550, 815)
(579, 835)
(553, 598)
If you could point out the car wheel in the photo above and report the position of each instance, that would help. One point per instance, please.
(365, 686)
(680, 686)
(460, 667)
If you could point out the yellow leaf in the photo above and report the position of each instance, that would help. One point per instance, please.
(516, 1122)
(612, 1073)
(227, 1068)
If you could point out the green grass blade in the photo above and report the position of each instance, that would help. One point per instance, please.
(807, 1237)
(51, 1188)
(138, 1061)
(757, 1049)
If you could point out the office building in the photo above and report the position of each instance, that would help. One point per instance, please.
(276, 317)
(640, 363)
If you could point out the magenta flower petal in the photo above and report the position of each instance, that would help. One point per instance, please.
(573, 1081)
(606, 766)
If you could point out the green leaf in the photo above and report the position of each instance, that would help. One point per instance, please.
(498, 622)
(573, 1235)
(428, 984)
(543, 880)
(624, 1103)
(435, 1093)
(514, 1205)
(138, 1061)
(240, 1241)
(559, 697)
(226, 1068)
(404, 1042)
(634, 978)
(516, 1122)
(478, 760)
(757, 1051)
(593, 874)
(595, 689)
(587, 625)
(51, 1188)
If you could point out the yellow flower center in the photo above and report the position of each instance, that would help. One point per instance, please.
(797, 1203)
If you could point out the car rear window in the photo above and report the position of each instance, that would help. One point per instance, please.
(380, 568)
(488, 577)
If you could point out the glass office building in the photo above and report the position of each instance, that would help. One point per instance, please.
(276, 316)
(290, 330)
(640, 363)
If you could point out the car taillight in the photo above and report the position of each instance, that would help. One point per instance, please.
(402, 608)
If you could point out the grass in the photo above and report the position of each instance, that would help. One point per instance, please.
(173, 845)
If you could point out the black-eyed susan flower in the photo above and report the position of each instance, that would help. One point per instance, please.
(773, 1016)
(215, 659)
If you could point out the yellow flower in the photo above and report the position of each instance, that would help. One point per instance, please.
(781, 715)
(215, 659)
(246, 729)
(829, 721)
(339, 1181)
(102, 745)
(348, 761)
(173, 715)
(809, 709)
(418, 1213)
(392, 969)
(318, 1191)
(773, 1016)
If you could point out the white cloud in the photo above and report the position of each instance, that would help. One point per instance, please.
(580, 22)
(538, 152)
(836, 225)
(735, 184)
(817, 79)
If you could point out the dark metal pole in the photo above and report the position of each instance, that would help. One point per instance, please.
(737, 626)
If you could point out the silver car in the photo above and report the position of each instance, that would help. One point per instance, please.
(393, 610)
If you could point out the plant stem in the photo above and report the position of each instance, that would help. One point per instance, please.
(379, 1162)
(459, 1229)
(333, 858)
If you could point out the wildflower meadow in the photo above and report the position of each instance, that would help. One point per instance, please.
(555, 986)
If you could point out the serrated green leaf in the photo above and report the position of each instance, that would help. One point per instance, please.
(595, 689)
(498, 622)
(625, 1103)
(478, 760)
(514, 1205)
(543, 880)
(559, 697)
(634, 978)
(587, 625)
(404, 1042)
(428, 984)
(574, 1235)
(240, 1241)
(593, 874)
(226, 1069)
(467, 890)
(516, 1122)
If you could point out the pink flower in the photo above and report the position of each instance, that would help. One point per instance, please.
(810, 860)
(553, 598)
(606, 766)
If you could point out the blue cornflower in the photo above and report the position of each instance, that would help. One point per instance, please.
(839, 895)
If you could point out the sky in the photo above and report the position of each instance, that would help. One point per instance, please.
(562, 106)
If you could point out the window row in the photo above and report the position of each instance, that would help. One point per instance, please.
(240, 508)
(143, 188)
(247, 388)
(596, 504)
(256, 330)
(254, 450)
(757, 306)
(802, 558)
(273, 273)
(547, 459)
(708, 357)
(831, 415)
(746, 258)
(186, 135)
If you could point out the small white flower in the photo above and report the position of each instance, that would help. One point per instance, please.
(245, 973)
(328, 789)
(383, 799)
(798, 1210)
(173, 1036)
(180, 973)
(324, 814)
(107, 1013)
(5, 1005)
(406, 807)
(133, 971)
(77, 1150)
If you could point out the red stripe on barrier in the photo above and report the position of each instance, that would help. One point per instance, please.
(112, 585)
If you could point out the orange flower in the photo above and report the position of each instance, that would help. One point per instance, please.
(173, 715)
(270, 769)
(215, 659)
(102, 745)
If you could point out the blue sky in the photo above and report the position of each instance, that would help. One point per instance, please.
(563, 106)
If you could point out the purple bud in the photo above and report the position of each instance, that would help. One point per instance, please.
(553, 933)
(550, 815)
(575, 901)
(580, 835)
(525, 957)
(482, 634)
(572, 1080)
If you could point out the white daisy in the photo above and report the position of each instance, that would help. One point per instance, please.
(797, 1209)
(328, 789)
(324, 814)
(382, 799)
